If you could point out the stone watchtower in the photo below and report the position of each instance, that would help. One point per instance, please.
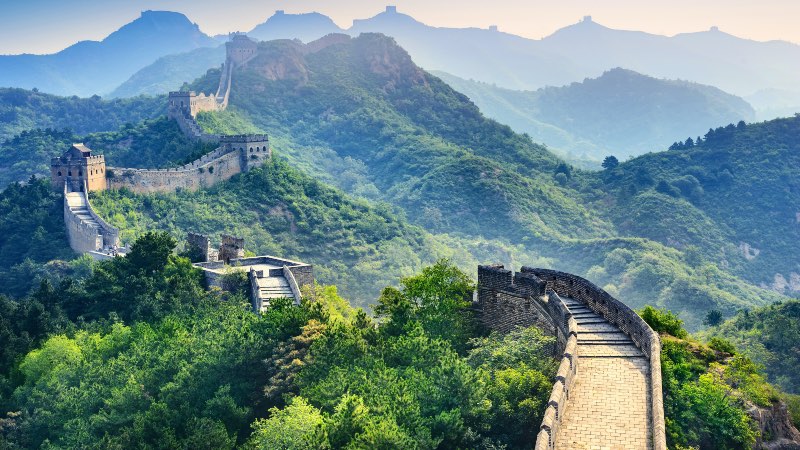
(253, 148)
(240, 49)
(78, 167)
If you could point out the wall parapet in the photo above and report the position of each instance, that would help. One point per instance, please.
(624, 318)
(525, 298)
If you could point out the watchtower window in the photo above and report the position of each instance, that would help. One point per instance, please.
(80, 173)
(251, 149)
(69, 173)
(59, 173)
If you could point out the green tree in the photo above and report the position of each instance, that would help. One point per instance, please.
(610, 162)
(713, 318)
(298, 426)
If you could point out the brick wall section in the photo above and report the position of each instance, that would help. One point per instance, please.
(507, 300)
(623, 317)
(83, 237)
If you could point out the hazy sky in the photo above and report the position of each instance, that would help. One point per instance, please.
(46, 26)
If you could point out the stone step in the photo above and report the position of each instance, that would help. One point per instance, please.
(605, 342)
(599, 335)
(590, 320)
(608, 350)
(599, 327)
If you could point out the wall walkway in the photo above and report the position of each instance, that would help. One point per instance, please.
(607, 391)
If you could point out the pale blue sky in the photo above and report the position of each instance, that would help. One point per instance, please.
(45, 26)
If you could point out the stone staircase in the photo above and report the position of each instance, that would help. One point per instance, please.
(77, 204)
(609, 407)
(271, 288)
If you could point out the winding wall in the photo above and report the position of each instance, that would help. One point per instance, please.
(607, 392)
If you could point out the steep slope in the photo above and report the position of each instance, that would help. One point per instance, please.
(92, 67)
(22, 110)
(621, 112)
(368, 101)
(306, 27)
(361, 115)
(281, 211)
(734, 195)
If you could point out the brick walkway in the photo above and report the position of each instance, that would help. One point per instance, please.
(609, 407)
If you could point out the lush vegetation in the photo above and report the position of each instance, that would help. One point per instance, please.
(771, 337)
(708, 389)
(730, 195)
(390, 132)
(23, 110)
(31, 234)
(280, 211)
(150, 143)
(137, 351)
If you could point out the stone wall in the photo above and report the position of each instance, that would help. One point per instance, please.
(507, 300)
(83, 237)
(624, 318)
(212, 168)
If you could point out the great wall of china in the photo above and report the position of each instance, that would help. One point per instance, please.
(607, 391)
(78, 173)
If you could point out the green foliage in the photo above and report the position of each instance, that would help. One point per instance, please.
(770, 336)
(610, 162)
(722, 345)
(713, 318)
(31, 233)
(298, 426)
(150, 143)
(22, 110)
(663, 321)
(436, 299)
(729, 183)
(700, 411)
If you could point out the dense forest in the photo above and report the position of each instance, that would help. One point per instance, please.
(135, 349)
(23, 110)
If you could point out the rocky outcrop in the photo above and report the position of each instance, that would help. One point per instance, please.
(775, 425)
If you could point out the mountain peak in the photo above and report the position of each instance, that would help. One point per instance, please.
(307, 27)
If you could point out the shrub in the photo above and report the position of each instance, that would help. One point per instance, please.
(663, 321)
(722, 345)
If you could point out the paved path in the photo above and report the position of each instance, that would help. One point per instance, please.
(609, 407)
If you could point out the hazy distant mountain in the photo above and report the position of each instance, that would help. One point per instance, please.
(486, 55)
(621, 113)
(773, 103)
(168, 73)
(306, 27)
(585, 49)
(92, 67)
(736, 65)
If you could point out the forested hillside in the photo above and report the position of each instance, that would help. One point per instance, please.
(731, 197)
(149, 143)
(359, 114)
(771, 336)
(621, 112)
(22, 110)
